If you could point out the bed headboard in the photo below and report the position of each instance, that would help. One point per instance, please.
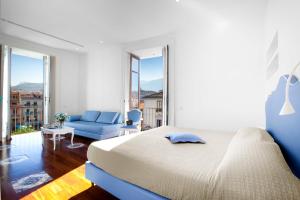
(285, 129)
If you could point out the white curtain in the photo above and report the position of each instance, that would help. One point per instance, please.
(52, 72)
(5, 91)
(165, 52)
(46, 61)
(1, 91)
(49, 91)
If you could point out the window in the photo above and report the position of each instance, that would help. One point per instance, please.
(158, 123)
(159, 106)
(134, 82)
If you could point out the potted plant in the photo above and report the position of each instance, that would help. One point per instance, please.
(61, 118)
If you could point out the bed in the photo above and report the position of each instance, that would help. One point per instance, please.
(247, 164)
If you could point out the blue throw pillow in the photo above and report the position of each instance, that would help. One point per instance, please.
(184, 138)
(107, 117)
(73, 118)
(90, 116)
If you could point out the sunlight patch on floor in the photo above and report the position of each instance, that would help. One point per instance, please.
(64, 187)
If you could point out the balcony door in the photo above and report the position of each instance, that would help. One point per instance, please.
(134, 101)
(149, 85)
(26, 96)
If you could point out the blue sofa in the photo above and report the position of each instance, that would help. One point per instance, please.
(96, 125)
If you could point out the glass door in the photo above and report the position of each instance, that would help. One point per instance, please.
(28, 91)
(5, 89)
(46, 103)
(149, 85)
(134, 94)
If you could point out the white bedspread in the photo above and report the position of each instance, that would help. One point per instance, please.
(246, 165)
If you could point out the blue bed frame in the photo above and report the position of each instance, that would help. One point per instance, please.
(284, 129)
(119, 188)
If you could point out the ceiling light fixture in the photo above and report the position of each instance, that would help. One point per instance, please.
(177, 1)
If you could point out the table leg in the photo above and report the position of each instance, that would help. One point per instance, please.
(42, 135)
(72, 137)
(54, 142)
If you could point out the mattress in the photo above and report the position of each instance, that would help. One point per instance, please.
(229, 166)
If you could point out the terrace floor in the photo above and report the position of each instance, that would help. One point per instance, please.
(30, 170)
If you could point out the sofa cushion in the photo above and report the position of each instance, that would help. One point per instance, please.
(119, 119)
(90, 116)
(107, 117)
(73, 118)
(92, 127)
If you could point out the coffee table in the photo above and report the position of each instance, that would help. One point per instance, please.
(57, 132)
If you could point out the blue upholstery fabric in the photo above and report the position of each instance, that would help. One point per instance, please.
(119, 188)
(107, 117)
(184, 137)
(119, 119)
(73, 118)
(135, 115)
(92, 127)
(99, 136)
(90, 116)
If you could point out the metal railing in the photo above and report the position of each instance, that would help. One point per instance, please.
(152, 118)
(26, 115)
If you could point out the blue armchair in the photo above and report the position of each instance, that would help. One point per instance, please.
(135, 116)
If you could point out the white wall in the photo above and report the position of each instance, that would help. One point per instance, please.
(217, 68)
(283, 16)
(67, 77)
(219, 77)
(103, 74)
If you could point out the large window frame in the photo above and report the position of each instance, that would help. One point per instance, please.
(132, 57)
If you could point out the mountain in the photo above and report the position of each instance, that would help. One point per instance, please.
(153, 85)
(146, 93)
(28, 87)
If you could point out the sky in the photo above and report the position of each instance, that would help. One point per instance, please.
(151, 74)
(151, 69)
(26, 69)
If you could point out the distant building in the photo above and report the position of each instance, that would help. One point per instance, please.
(152, 110)
(26, 109)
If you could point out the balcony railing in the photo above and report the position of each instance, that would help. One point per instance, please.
(26, 115)
(152, 118)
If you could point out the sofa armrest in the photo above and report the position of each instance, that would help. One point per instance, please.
(73, 118)
(119, 119)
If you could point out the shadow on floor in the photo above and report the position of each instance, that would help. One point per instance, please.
(93, 193)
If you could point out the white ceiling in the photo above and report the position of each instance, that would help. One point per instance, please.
(88, 22)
